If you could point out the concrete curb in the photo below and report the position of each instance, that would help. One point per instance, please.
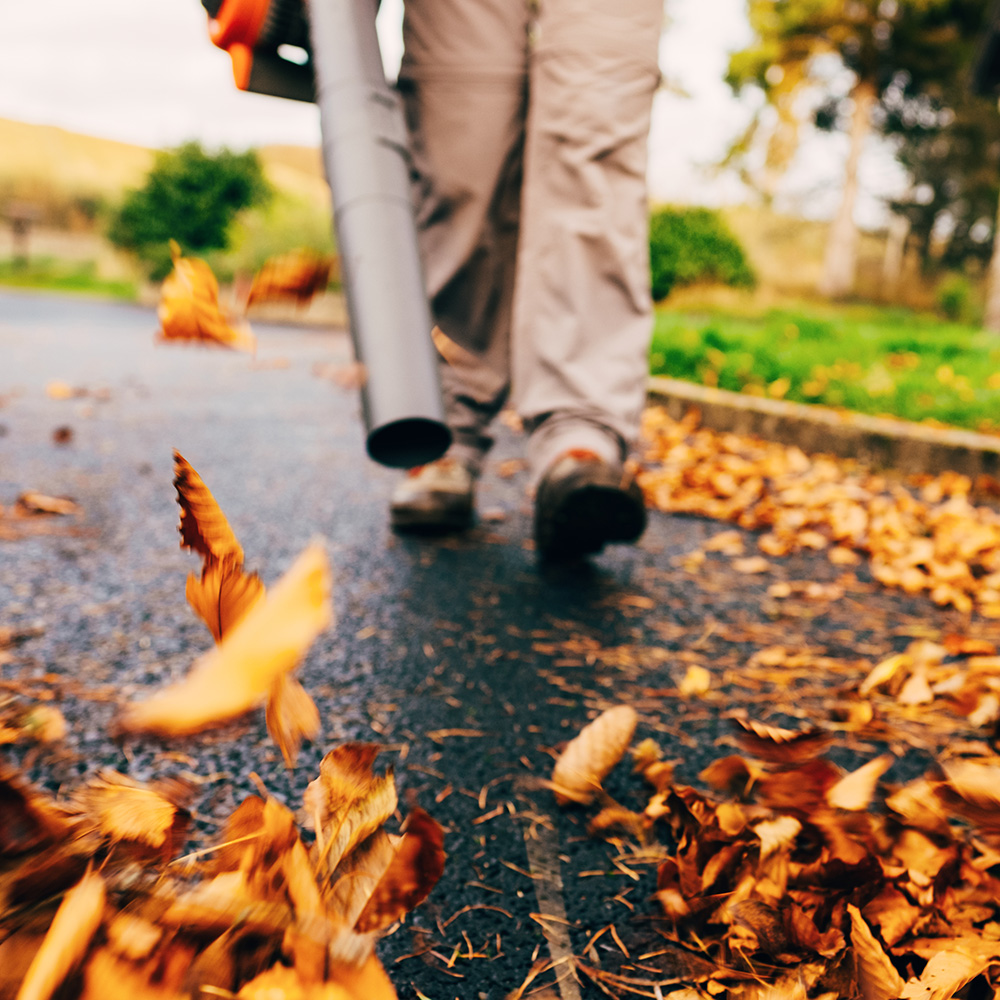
(881, 442)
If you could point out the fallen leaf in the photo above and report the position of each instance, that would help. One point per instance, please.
(59, 390)
(291, 716)
(31, 503)
(189, 308)
(68, 937)
(590, 756)
(780, 746)
(697, 681)
(268, 642)
(944, 975)
(413, 871)
(876, 975)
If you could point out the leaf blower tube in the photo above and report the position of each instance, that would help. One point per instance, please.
(367, 165)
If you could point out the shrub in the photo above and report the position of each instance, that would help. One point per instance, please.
(954, 297)
(190, 196)
(687, 245)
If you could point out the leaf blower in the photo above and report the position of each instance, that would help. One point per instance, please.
(327, 51)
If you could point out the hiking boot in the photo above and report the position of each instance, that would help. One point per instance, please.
(584, 503)
(437, 497)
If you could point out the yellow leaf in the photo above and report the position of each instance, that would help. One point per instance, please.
(855, 790)
(590, 756)
(67, 939)
(189, 307)
(877, 976)
(239, 672)
(291, 716)
(223, 595)
(697, 681)
(203, 527)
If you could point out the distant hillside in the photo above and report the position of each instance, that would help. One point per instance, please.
(40, 160)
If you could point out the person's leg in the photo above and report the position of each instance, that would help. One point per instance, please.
(463, 82)
(582, 313)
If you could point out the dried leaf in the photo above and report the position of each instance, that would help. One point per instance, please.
(189, 307)
(777, 834)
(944, 975)
(884, 672)
(291, 717)
(223, 595)
(590, 756)
(239, 672)
(68, 938)
(412, 873)
(780, 746)
(855, 790)
(357, 875)
(454, 354)
(204, 528)
(31, 503)
(348, 801)
(298, 274)
(697, 681)
(876, 975)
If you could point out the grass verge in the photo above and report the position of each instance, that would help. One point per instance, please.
(50, 274)
(884, 362)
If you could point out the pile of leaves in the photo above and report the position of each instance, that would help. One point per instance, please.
(92, 904)
(935, 542)
(95, 903)
(794, 879)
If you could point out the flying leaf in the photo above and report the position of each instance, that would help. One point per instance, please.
(67, 939)
(298, 274)
(223, 595)
(780, 746)
(855, 790)
(410, 876)
(189, 307)
(239, 672)
(204, 528)
(348, 801)
(877, 976)
(590, 756)
(291, 716)
(357, 875)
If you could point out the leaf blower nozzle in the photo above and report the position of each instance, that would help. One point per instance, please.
(338, 64)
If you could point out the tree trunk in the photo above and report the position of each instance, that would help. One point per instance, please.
(895, 256)
(840, 261)
(991, 319)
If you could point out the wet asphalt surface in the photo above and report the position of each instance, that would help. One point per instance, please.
(464, 657)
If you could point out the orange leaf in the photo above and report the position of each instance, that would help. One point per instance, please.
(239, 672)
(453, 353)
(189, 307)
(203, 527)
(877, 976)
(348, 801)
(780, 746)
(590, 756)
(67, 939)
(299, 274)
(291, 716)
(855, 790)
(223, 595)
(412, 873)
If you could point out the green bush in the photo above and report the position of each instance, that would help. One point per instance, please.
(687, 245)
(190, 196)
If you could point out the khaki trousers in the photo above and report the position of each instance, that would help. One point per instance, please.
(529, 124)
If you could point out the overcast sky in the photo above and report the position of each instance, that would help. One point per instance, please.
(144, 71)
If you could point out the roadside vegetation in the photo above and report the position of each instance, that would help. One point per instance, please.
(53, 274)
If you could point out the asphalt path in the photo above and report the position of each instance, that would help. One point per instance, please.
(465, 657)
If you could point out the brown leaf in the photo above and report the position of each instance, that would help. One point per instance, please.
(357, 875)
(590, 756)
(973, 789)
(121, 808)
(291, 717)
(780, 746)
(31, 503)
(29, 820)
(204, 528)
(239, 672)
(68, 938)
(855, 790)
(348, 801)
(453, 353)
(412, 873)
(189, 307)
(298, 274)
(944, 975)
(223, 595)
(876, 976)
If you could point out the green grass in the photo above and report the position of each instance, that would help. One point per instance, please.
(887, 362)
(50, 274)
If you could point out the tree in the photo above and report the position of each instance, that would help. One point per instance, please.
(190, 196)
(873, 40)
